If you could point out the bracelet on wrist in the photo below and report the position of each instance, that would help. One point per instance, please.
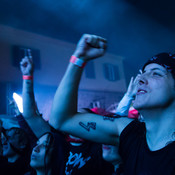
(27, 77)
(77, 61)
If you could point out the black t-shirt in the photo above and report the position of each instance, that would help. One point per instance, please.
(137, 157)
(19, 167)
(87, 160)
(59, 153)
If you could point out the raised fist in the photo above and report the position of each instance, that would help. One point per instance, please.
(90, 47)
(26, 66)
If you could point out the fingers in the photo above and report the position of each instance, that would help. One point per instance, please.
(131, 82)
(95, 41)
(134, 82)
(90, 47)
(26, 60)
(133, 85)
(26, 66)
(137, 79)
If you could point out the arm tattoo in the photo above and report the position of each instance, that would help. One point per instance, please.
(88, 126)
(111, 118)
(108, 118)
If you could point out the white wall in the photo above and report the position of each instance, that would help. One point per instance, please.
(55, 55)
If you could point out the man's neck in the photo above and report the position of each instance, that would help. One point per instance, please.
(42, 172)
(160, 126)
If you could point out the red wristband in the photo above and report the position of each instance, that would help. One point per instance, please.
(27, 77)
(77, 61)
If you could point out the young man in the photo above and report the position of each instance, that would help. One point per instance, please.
(145, 148)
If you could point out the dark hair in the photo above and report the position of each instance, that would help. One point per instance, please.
(50, 140)
(166, 60)
(56, 144)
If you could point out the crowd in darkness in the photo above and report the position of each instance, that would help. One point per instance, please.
(94, 141)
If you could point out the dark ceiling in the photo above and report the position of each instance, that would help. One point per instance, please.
(162, 11)
(113, 19)
(57, 18)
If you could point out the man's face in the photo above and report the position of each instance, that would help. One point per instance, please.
(6, 148)
(155, 88)
(38, 153)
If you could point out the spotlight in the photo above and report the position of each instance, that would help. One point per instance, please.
(18, 100)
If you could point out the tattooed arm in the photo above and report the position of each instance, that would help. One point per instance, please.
(64, 114)
(30, 110)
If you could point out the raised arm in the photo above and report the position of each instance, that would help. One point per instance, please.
(64, 114)
(30, 111)
(125, 103)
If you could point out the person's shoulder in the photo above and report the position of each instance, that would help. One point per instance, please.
(135, 126)
(123, 123)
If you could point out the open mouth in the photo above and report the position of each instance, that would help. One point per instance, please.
(141, 91)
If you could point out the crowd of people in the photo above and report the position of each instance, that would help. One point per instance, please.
(91, 141)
